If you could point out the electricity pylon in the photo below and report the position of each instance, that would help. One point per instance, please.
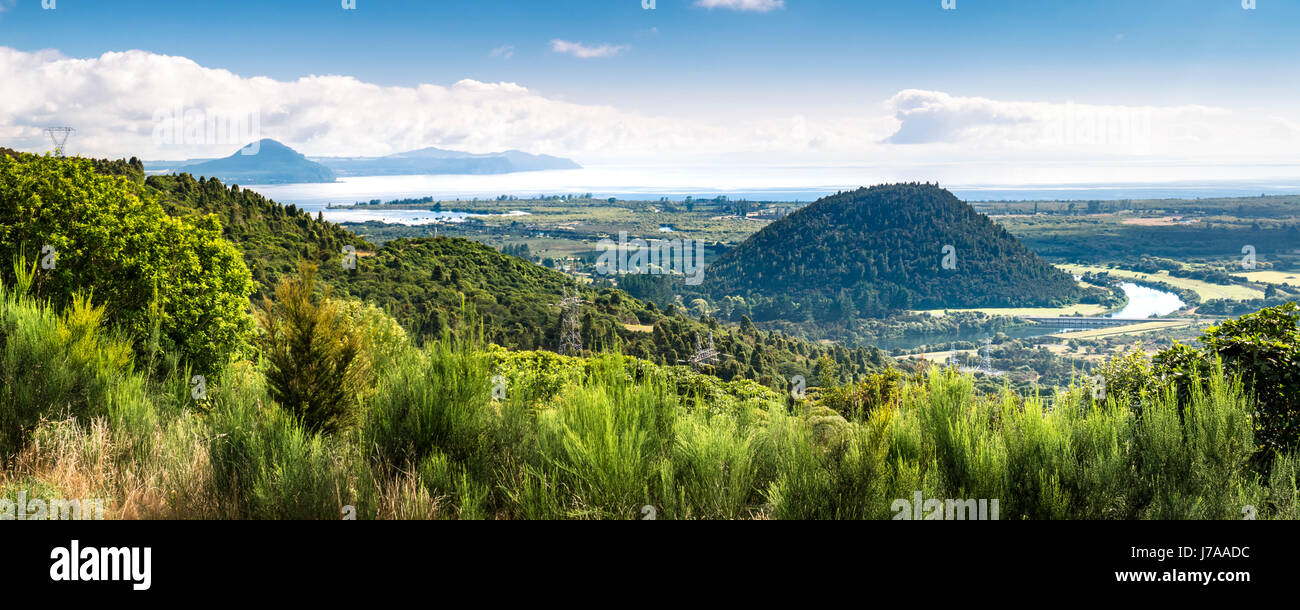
(59, 136)
(570, 326)
(703, 355)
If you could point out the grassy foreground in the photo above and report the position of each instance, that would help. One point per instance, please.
(462, 429)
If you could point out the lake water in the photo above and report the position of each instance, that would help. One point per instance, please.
(405, 217)
(792, 183)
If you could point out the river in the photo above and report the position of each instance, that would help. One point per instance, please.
(1143, 302)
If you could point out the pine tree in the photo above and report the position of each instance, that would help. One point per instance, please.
(315, 373)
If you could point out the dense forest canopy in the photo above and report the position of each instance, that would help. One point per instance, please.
(886, 248)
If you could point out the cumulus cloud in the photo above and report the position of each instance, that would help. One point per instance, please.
(936, 118)
(505, 52)
(118, 101)
(761, 6)
(162, 107)
(583, 51)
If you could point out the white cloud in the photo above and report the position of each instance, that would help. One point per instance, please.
(504, 52)
(935, 118)
(761, 6)
(114, 102)
(582, 51)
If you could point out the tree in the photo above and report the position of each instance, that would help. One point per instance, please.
(1264, 348)
(316, 370)
(110, 238)
(828, 371)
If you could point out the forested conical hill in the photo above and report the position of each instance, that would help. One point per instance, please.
(426, 283)
(882, 248)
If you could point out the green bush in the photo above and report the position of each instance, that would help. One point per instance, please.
(59, 365)
(317, 368)
(604, 442)
(265, 465)
(112, 241)
(437, 399)
(713, 469)
(1263, 348)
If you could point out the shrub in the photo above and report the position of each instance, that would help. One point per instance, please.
(713, 469)
(317, 370)
(436, 399)
(58, 365)
(266, 465)
(112, 240)
(604, 442)
(1263, 348)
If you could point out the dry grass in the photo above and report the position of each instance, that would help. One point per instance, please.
(74, 461)
(405, 497)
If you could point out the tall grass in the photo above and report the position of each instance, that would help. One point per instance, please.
(604, 441)
(598, 438)
(57, 365)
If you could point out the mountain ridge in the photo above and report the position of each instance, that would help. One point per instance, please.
(272, 162)
(433, 160)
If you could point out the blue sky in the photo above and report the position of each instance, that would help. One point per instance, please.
(1103, 51)
(821, 60)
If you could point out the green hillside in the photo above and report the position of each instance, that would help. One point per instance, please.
(132, 370)
(426, 283)
(880, 249)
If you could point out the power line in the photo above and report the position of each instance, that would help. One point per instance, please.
(703, 355)
(59, 136)
(570, 327)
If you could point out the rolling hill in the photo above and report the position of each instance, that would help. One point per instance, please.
(426, 283)
(885, 248)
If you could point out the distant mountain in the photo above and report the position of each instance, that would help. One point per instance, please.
(885, 248)
(440, 161)
(269, 162)
(274, 163)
